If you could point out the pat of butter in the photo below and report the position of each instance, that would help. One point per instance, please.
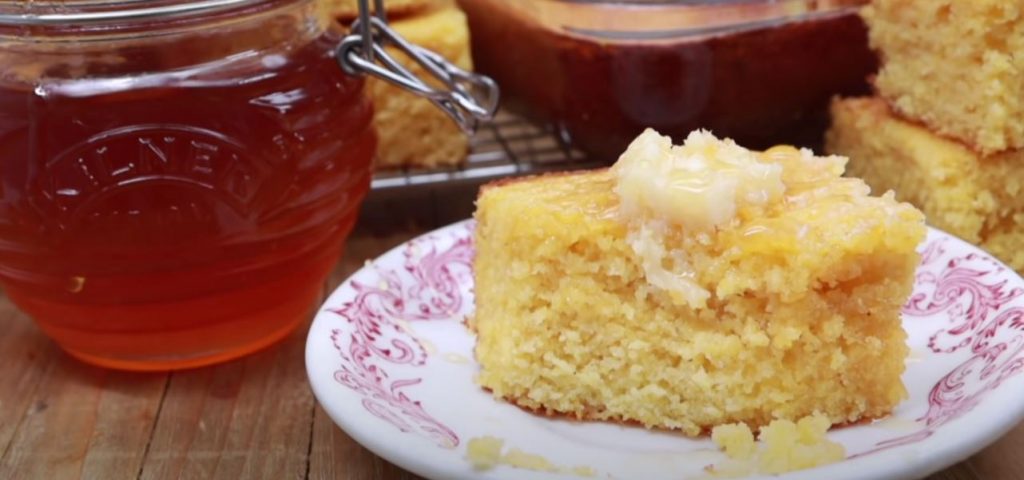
(698, 186)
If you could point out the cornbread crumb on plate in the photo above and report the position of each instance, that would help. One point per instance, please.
(975, 197)
(954, 65)
(693, 286)
(783, 446)
(484, 453)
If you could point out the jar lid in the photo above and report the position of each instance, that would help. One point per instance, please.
(468, 98)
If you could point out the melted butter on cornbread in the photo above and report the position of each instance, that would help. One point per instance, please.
(703, 185)
(697, 185)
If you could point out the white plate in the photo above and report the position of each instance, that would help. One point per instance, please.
(392, 364)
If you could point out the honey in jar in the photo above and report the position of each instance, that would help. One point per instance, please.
(175, 183)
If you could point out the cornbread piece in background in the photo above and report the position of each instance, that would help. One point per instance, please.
(954, 65)
(412, 131)
(977, 198)
(802, 312)
(348, 10)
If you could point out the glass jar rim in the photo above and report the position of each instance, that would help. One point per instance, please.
(58, 12)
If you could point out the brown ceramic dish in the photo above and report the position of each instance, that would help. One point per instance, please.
(760, 72)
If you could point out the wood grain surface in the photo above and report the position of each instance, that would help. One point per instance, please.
(253, 418)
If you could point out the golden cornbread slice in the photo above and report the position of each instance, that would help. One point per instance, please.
(977, 198)
(954, 65)
(412, 131)
(779, 298)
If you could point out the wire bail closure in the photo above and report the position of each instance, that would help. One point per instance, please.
(467, 97)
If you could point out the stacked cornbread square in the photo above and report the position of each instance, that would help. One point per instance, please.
(978, 198)
(955, 66)
(946, 129)
(412, 131)
(694, 286)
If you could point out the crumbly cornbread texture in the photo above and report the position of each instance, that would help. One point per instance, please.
(954, 65)
(803, 313)
(783, 446)
(412, 131)
(977, 198)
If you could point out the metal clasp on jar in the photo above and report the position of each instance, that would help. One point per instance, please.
(469, 98)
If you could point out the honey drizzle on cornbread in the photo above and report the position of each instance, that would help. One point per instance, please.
(705, 185)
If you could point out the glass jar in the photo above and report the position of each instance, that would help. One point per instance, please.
(759, 71)
(176, 178)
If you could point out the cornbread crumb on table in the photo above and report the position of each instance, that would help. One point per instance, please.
(975, 197)
(954, 65)
(802, 312)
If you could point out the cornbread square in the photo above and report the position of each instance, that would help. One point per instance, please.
(954, 65)
(412, 131)
(802, 312)
(975, 197)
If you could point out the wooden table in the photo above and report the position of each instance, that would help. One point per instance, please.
(251, 418)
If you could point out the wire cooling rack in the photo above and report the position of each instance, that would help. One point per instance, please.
(509, 146)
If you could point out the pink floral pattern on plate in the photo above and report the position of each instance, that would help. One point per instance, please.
(970, 300)
(965, 307)
(426, 289)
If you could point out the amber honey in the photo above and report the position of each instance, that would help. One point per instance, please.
(158, 211)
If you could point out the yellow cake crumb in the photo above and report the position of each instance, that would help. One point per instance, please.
(977, 198)
(736, 439)
(520, 459)
(484, 453)
(802, 312)
(728, 469)
(583, 471)
(954, 65)
(788, 446)
(782, 446)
